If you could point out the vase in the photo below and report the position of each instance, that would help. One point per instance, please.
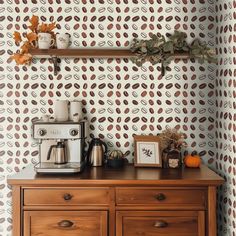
(171, 157)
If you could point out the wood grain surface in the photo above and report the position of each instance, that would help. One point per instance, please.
(92, 53)
(160, 196)
(98, 176)
(69, 223)
(124, 202)
(159, 223)
(66, 196)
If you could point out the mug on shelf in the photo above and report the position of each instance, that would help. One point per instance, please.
(75, 110)
(61, 110)
(62, 41)
(45, 41)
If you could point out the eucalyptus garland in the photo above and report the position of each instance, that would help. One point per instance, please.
(159, 50)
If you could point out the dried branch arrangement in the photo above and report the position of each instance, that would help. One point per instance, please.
(23, 56)
(173, 137)
(159, 50)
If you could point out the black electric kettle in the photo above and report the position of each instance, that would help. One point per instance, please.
(96, 152)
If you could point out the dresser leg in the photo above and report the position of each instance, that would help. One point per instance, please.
(112, 213)
(212, 211)
(16, 204)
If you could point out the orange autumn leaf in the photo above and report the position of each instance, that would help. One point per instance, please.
(25, 59)
(34, 23)
(17, 37)
(47, 28)
(51, 26)
(32, 28)
(31, 37)
(43, 28)
(22, 59)
(16, 57)
(22, 56)
(25, 47)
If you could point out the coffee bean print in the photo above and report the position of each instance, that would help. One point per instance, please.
(117, 95)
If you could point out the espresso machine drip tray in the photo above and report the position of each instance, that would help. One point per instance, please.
(48, 167)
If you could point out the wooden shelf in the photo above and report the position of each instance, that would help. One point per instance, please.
(90, 53)
(82, 53)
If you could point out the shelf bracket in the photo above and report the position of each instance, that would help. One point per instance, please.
(54, 60)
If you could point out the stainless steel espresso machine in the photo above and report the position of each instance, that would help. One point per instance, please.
(61, 146)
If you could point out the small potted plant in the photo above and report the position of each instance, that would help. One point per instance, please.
(171, 141)
(115, 159)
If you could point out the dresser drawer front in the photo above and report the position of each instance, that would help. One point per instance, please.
(70, 196)
(158, 196)
(160, 223)
(61, 223)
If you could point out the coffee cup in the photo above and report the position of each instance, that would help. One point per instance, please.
(62, 41)
(45, 41)
(61, 110)
(75, 110)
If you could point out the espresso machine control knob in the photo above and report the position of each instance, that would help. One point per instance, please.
(73, 132)
(42, 132)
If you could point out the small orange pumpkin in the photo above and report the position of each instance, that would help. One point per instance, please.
(192, 161)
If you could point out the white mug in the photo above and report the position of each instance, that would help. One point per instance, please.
(75, 110)
(61, 110)
(45, 40)
(62, 41)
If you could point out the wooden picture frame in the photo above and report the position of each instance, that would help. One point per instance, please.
(150, 157)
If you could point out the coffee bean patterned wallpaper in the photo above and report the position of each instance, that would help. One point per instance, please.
(225, 116)
(119, 98)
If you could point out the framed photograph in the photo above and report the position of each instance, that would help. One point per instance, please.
(147, 151)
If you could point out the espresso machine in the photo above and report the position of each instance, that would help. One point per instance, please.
(61, 146)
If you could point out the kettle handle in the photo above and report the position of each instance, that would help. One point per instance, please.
(89, 150)
(50, 150)
(106, 148)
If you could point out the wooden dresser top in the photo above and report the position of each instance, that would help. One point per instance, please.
(129, 175)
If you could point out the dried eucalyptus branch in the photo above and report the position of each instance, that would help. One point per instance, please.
(158, 50)
(201, 52)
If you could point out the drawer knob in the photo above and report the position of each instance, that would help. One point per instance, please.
(160, 197)
(160, 224)
(67, 197)
(65, 224)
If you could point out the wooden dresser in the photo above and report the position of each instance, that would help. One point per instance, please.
(106, 202)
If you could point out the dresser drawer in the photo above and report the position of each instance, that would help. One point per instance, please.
(67, 196)
(160, 196)
(160, 223)
(69, 223)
